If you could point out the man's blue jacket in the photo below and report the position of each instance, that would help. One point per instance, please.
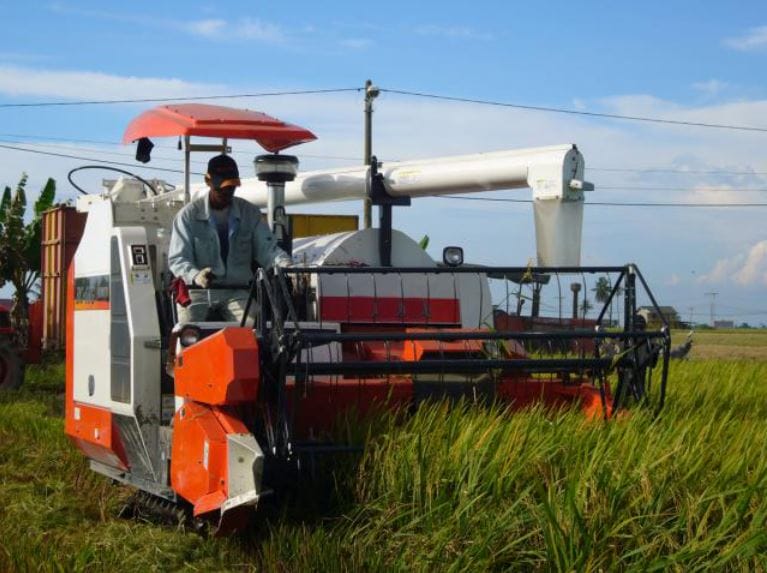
(194, 243)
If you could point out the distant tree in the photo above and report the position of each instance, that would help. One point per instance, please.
(602, 292)
(20, 250)
(586, 306)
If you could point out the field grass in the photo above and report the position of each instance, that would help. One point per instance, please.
(448, 489)
(726, 344)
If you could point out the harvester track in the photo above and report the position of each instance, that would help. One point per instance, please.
(143, 506)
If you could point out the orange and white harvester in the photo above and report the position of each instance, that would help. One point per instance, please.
(195, 414)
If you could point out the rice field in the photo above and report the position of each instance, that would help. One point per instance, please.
(448, 489)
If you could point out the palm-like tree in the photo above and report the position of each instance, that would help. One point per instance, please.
(20, 251)
(602, 292)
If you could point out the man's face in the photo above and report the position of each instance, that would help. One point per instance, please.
(221, 198)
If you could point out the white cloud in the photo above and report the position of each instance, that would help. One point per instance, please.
(206, 28)
(22, 57)
(453, 32)
(210, 28)
(579, 104)
(77, 85)
(752, 40)
(711, 87)
(745, 269)
(722, 193)
(242, 29)
(722, 270)
(738, 113)
(259, 30)
(754, 269)
(356, 43)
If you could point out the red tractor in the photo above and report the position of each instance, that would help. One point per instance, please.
(11, 364)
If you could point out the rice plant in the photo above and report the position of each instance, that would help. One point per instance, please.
(450, 488)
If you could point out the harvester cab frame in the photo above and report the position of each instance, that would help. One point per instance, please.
(195, 415)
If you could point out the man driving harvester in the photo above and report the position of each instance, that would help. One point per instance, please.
(216, 238)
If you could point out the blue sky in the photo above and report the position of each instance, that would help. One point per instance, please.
(682, 60)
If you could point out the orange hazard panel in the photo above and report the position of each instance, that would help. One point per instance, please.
(198, 466)
(221, 369)
(92, 431)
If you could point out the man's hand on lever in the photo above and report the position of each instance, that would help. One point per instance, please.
(204, 278)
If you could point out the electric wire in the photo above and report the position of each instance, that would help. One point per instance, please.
(488, 199)
(82, 158)
(742, 171)
(576, 112)
(176, 99)
(129, 155)
(608, 203)
(702, 189)
(17, 137)
(676, 171)
(476, 101)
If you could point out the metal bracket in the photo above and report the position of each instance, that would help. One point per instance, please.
(376, 191)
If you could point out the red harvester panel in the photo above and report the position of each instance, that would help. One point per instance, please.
(62, 229)
(221, 369)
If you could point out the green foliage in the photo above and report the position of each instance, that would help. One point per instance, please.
(602, 289)
(446, 489)
(20, 249)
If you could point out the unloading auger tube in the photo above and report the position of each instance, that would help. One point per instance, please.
(555, 174)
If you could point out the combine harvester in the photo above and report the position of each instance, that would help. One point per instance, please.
(196, 415)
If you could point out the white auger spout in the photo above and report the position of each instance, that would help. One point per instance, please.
(555, 174)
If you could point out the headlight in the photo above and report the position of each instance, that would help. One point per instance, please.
(452, 256)
(189, 335)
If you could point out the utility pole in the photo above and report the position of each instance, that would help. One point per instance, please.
(371, 92)
(713, 303)
(692, 312)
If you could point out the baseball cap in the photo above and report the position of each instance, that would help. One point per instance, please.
(223, 172)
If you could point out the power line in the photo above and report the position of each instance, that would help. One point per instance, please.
(393, 91)
(18, 139)
(175, 99)
(490, 199)
(577, 112)
(128, 155)
(18, 136)
(699, 189)
(81, 158)
(55, 138)
(742, 171)
(346, 158)
(676, 171)
(608, 203)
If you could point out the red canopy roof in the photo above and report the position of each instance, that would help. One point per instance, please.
(216, 121)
